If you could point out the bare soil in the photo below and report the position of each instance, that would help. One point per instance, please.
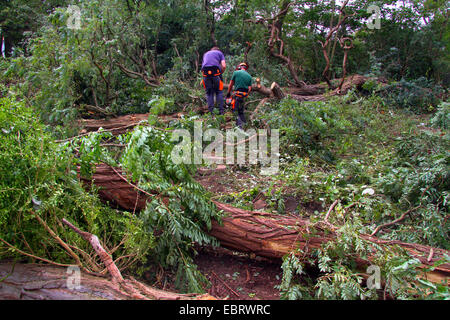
(237, 276)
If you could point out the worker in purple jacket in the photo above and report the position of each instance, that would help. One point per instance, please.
(213, 67)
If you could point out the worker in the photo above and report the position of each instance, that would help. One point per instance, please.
(213, 66)
(241, 81)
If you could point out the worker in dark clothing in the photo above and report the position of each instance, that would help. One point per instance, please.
(213, 66)
(242, 82)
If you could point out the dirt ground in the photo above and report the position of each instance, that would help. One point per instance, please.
(236, 276)
(233, 275)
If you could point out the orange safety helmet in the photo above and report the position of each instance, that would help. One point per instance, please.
(243, 65)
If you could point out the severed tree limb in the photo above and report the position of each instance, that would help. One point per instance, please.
(330, 210)
(260, 104)
(104, 256)
(96, 108)
(132, 287)
(46, 282)
(59, 240)
(402, 217)
(274, 91)
(34, 256)
(430, 256)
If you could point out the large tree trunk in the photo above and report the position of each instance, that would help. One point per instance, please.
(121, 124)
(45, 282)
(264, 234)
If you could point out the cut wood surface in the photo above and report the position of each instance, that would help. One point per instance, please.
(264, 234)
(45, 282)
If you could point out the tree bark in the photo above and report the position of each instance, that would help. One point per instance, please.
(265, 234)
(121, 124)
(325, 48)
(44, 282)
(274, 91)
(276, 37)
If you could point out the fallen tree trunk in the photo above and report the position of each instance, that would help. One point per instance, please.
(97, 110)
(275, 91)
(121, 124)
(45, 282)
(117, 125)
(264, 234)
(316, 92)
(274, 236)
(308, 90)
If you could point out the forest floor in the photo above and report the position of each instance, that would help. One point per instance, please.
(235, 275)
(232, 275)
(238, 276)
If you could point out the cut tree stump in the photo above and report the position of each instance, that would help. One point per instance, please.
(264, 234)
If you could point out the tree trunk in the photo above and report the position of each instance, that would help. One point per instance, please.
(45, 282)
(276, 90)
(265, 234)
(121, 124)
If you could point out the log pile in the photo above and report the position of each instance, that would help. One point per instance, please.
(264, 234)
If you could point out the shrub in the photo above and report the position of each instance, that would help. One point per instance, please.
(441, 118)
(39, 187)
(418, 96)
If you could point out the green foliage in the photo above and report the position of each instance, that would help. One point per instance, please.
(180, 213)
(38, 179)
(305, 127)
(340, 275)
(420, 177)
(441, 118)
(289, 287)
(160, 105)
(419, 96)
(144, 56)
